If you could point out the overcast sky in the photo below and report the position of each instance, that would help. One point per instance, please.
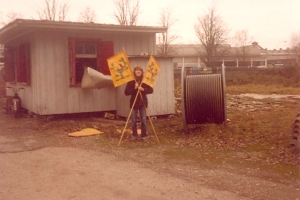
(269, 22)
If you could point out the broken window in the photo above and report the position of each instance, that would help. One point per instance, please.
(85, 53)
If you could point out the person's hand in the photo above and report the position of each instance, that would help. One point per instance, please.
(136, 85)
(140, 89)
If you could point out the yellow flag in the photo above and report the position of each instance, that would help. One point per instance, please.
(151, 73)
(120, 69)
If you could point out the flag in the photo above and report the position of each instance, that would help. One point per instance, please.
(120, 69)
(151, 72)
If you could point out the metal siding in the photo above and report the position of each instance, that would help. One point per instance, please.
(152, 44)
(47, 75)
(73, 99)
(40, 78)
(116, 40)
(133, 44)
(144, 46)
(165, 88)
(29, 100)
(50, 93)
(54, 94)
(106, 36)
(121, 43)
(122, 101)
(62, 72)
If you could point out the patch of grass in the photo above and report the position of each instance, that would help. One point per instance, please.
(262, 89)
(260, 137)
(287, 77)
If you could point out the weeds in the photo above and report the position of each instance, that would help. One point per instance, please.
(262, 89)
(260, 136)
(286, 77)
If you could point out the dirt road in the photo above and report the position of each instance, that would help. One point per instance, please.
(70, 173)
(47, 165)
(31, 171)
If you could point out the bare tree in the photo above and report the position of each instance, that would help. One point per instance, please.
(133, 11)
(295, 44)
(127, 12)
(10, 16)
(52, 11)
(165, 39)
(63, 11)
(121, 13)
(241, 41)
(88, 15)
(13, 15)
(211, 32)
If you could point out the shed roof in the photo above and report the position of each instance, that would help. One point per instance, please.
(19, 27)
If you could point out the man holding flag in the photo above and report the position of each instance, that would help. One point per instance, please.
(138, 86)
(138, 102)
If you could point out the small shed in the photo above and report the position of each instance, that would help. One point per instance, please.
(47, 58)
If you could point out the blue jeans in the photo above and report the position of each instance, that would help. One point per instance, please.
(142, 111)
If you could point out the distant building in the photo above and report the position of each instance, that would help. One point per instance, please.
(248, 56)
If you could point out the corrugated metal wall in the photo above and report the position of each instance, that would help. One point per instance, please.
(50, 93)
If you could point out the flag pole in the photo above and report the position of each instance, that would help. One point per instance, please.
(128, 118)
(151, 124)
(130, 109)
(149, 115)
(115, 60)
(149, 118)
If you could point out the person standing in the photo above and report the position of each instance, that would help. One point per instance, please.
(141, 103)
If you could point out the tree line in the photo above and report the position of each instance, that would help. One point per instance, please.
(210, 28)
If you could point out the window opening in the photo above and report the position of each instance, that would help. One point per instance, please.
(91, 53)
(86, 56)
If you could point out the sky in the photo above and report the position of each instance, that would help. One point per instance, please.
(269, 22)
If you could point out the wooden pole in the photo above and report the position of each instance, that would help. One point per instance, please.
(149, 115)
(130, 109)
(128, 118)
(151, 124)
(149, 118)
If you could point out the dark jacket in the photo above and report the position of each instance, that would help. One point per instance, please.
(140, 102)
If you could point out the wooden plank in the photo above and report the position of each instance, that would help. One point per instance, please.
(58, 68)
(41, 79)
